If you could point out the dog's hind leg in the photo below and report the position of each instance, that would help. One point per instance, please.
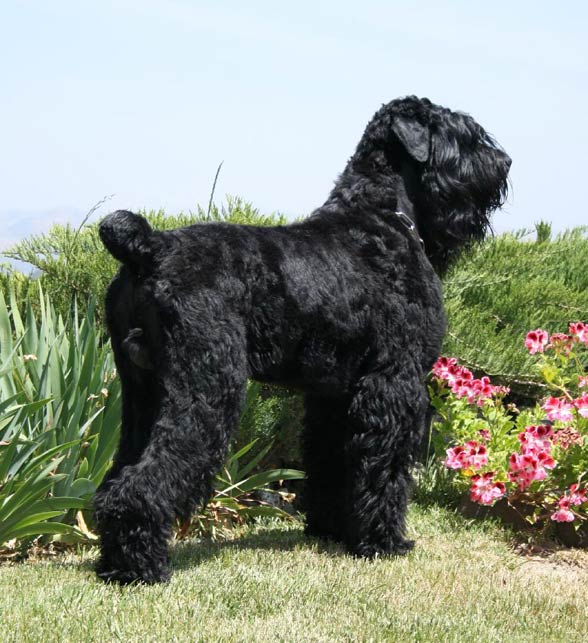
(139, 382)
(325, 422)
(140, 403)
(386, 419)
(202, 393)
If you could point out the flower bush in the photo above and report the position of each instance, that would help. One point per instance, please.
(536, 457)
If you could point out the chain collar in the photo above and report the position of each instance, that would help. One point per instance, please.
(409, 223)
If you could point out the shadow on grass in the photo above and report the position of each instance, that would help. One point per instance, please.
(189, 554)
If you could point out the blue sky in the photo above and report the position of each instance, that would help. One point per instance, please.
(143, 98)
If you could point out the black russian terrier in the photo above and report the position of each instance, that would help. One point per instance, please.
(345, 306)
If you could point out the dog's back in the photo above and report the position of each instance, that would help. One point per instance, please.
(304, 296)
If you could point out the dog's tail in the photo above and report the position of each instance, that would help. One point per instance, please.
(129, 238)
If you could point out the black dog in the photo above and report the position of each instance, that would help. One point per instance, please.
(345, 306)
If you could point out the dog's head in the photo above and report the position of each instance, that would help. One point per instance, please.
(454, 173)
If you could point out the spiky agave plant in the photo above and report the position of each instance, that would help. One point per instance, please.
(59, 419)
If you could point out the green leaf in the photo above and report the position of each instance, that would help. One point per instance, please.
(6, 456)
(549, 373)
(264, 511)
(83, 468)
(82, 487)
(5, 331)
(261, 480)
(40, 528)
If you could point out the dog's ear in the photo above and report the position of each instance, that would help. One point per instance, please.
(414, 136)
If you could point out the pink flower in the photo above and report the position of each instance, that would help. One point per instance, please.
(558, 409)
(448, 370)
(476, 390)
(477, 456)
(545, 460)
(577, 495)
(484, 490)
(482, 389)
(457, 377)
(522, 469)
(562, 515)
(501, 390)
(462, 387)
(527, 467)
(580, 332)
(462, 383)
(566, 437)
(535, 439)
(471, 455)
(561, 343)
(484, 434)
(536, 341)
(442, 366)
(582, 405)
(455, 458)
(582, 381)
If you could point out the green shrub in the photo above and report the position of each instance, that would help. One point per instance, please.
(506, 286)
(272, 416)
(72, 262)
(24, 287)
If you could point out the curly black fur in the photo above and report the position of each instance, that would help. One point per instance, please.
(345, 306)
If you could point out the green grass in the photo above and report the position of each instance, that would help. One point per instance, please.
(461, 583)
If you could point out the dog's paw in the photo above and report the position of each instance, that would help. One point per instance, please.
(394, 548)
(110, 575)
(313, 531)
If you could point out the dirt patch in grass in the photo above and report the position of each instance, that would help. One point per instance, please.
(550, 560)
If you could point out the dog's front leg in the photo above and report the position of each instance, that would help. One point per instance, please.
(386, 419)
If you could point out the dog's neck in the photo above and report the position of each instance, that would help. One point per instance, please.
(386, 194)
(405, 209)
(410, 226)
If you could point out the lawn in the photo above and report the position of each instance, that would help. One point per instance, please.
(463, 582)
